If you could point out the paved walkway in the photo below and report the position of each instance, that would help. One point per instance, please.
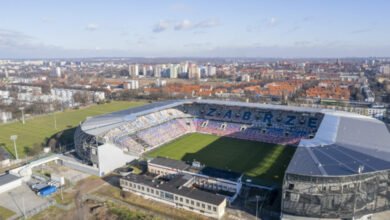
(21, 199)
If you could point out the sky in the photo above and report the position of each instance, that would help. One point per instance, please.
(199, 28)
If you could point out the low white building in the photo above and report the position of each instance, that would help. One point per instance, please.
(161, 82)
(9, 182)
(131, 84)
(205, 177)
(5, 116)
(4, 94)
(99, 96)
(176, 191)
(66, 96)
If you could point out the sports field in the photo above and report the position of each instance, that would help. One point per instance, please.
(263, 163)
(37, 129)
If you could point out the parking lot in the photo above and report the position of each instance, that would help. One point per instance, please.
(21, 199)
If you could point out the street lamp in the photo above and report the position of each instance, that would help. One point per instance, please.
(257, 205)
(13, 138)
(22, 109)
(55, 121)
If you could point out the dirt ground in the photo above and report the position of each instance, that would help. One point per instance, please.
(109, 202)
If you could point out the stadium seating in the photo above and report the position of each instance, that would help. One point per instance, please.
(145, 121)
(168, 131)
(272, 126)
(128, 144)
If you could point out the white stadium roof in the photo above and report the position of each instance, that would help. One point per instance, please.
(100, 124)
(343, 143)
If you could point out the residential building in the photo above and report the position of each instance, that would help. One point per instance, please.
(134, 70)
(5, 116)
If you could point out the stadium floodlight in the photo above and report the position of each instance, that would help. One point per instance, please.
(22, 109)
(13, 138)
(361, 169)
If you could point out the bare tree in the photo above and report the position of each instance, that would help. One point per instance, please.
(81, 97)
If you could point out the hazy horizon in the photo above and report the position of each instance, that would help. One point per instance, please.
(263, 29)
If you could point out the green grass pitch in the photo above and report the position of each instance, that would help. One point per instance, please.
(263, 163)
(37, 129)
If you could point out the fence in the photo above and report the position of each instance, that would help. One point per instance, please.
(34, 211)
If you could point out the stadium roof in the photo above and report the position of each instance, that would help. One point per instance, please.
(100, 124)
(343, 143)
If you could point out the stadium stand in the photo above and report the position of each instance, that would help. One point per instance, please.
(149, 131)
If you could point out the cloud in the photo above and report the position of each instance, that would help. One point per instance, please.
(141, 41)
(9, 38)
(272, 22)
(199, 32)
(263, 25)
(45, 20)
(91, 27)
(188, 25)
(208, 23)
(123, 33)
(20, 45)
(183, 25)
(362, 30)
(161, 26)
(197, 45)
(180, 7)
(252, 28)
(302, 43)
(293, 29)
(308, 18)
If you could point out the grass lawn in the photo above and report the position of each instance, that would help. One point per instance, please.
(68, 198)
(5, 213)
(52, 213)
(262, 162)
(37, 129)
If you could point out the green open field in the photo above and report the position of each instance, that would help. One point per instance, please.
(37, 129)
(5, 213)
(263, 163)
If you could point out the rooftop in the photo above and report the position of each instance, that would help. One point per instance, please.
(341, 146)
(175, 186)
(7, 178)
(166, 162)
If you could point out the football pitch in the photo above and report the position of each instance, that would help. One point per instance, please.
(39, 128)
(263, 163)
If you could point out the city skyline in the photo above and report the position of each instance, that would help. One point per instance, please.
(289, 29)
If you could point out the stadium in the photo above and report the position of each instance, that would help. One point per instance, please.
(329, 164)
